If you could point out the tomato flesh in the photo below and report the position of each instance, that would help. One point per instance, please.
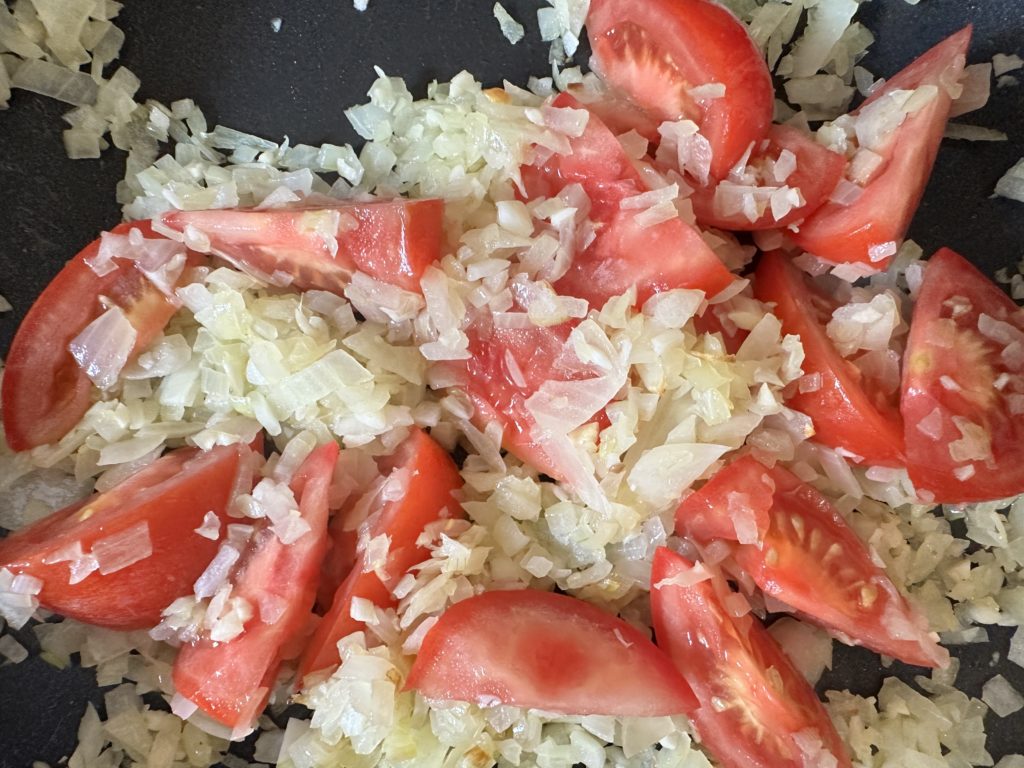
(957, 380)
(624, 253)
(735, 501)
(811, 560)
(755, 707)
(657, 51)
(528, 648)
(430, 478)
(818, 170)
(320, 248)
(170, 498)
(45, 392)
(231, 681)
(846, 233)
(848, 412)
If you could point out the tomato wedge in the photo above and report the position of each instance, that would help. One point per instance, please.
(506, 367)
(733, 505)
(429, 478)
(158, 509)
(624, 253)
(756, 710)
(231, 681)
(528, 648)
(45, 392)
(810, 559)
(392, 241)
(658, 51)
(848, 411)
(817, 171)
(838, 233)
(963, 386)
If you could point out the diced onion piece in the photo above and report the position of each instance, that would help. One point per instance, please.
(120, 550)
(977, 84)
(1011, 185)
(56, 82)
(103, 347)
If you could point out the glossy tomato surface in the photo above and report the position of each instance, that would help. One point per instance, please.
(755, 707)
(45, 392)
(811, 560)
(162, 504)
(848, 411)
(816, 173)
(426, 479)
(735, 504)
(882, 214)
(963, 386)
(657, 52)
(625, 253)
(231, 681)
(528, 648)
(392, 241)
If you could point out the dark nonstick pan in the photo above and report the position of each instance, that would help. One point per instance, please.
(297, 82)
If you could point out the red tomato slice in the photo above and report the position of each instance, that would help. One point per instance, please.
(45, 392)
(732, 505)
(553, 652)
(811, 560)
(756, 710)
(499, 393)
(818, 170)
(838, 233)
(231, 681)
(848, 411)
(166, 501)
(657, 51)
(431, 479)
(320, 247)
(956, 374)
(657, 258)
(617, 112)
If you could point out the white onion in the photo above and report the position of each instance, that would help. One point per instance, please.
(103, 347)
(56, 82)
(977, 84)
(120, 550)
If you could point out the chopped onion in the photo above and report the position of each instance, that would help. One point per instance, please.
(1011, 185)
(120, 550)
(56, 82)
(977, 84)
(103, 347)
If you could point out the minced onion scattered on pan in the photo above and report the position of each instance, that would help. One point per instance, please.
(465, 144)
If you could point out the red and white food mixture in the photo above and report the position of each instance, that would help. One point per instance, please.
(504, 447)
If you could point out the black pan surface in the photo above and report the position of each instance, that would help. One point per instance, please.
(298, 81)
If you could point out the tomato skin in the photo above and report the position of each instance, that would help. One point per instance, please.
(753, 702)
(172, 496)
(704, 514)
(231, 681)
(657, 258)
(432, 480)
(845, 413)
(812, 560)
(499, 396)
(656, 51)
(882, 214)
(818, 170)
(944, 344)
(529, 648)
(45, 392)
(321, 247)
